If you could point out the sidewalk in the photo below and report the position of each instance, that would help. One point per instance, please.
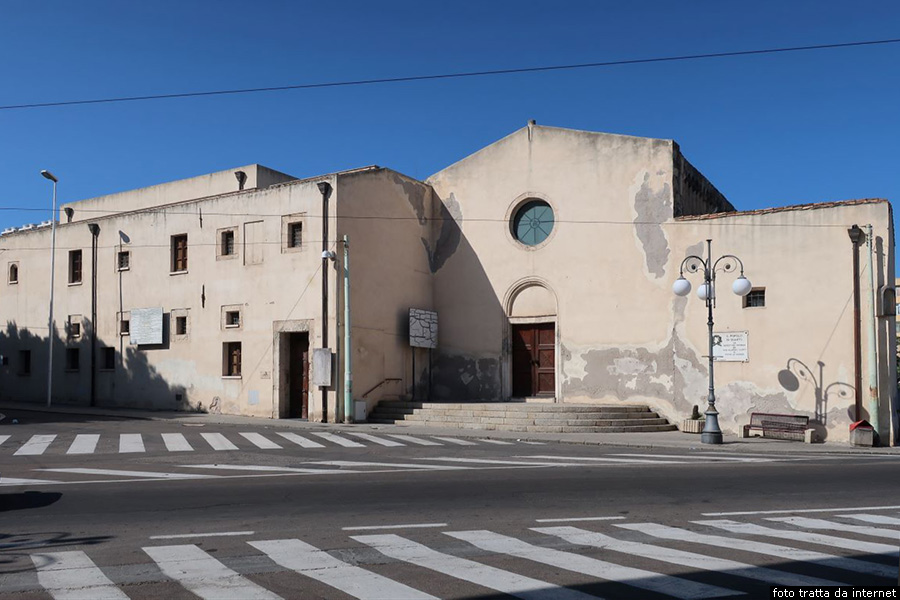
(661, 440)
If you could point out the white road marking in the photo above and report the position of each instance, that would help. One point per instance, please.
(573, 519)
(683, 558)
(131, 442)
(300, 440)
(414, 440)
(806, 523)
(585, 565)
(804, 536)
(37, 444)
(456, 441)
(340, 441)
(269, 468)
(149, 474)
(357, 463)
(513, 463)
(85, 443)
(877, 519)
(698, 457)
(176, 442)
(261, 441)
(5, 481)
(532, 443)
(782, 552)
(203, 575)
(493, 578)
(376, 440)
(798, 511)
(3, 438)
(72, 575)
(407, 526)
(321, 566)
(177, 536)
(498, 442)
(218, 441)
(629, 461)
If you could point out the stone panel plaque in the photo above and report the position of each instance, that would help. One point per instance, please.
(731, 346)
(423, 328)
(146, 326)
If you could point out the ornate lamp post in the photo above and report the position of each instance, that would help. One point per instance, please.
(707, 292)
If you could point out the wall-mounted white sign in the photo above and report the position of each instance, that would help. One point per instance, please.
(423, 328)
(731, 346)
(146, 326)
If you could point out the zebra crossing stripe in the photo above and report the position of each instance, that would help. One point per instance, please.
(261, 441)
(414, 440)
(877, 519)
(3, 438)
(783, 552)
(131, 442)
(376, 440)
(203, 575)
(176, 442)
(498, 442)
(340, 441)
(84, 443)
(804, 536)
(36, 445)
(513, 584)
(456, 441)
(321, 566)
(808, 523)
(583, 537)
(639, 578)
(218, 441)
(7, 481)
(300, 440)
(72, 575)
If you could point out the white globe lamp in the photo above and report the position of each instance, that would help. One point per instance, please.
(741, 286)
(703, 291)
(681, 287)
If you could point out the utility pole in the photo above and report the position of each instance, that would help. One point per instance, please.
(348, 371)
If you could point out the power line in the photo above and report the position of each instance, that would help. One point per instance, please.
(439, 76)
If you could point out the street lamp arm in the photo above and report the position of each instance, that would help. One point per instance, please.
(728, 266)
(692, 267)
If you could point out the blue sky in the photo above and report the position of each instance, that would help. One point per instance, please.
(767, 130)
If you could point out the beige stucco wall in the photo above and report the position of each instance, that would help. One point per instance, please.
(610, 262)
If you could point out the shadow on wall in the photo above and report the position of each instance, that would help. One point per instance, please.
(796, 371)
(131, 382)
(460, 375)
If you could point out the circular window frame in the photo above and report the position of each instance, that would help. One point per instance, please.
(514, 208)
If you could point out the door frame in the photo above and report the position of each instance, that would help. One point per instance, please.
(281, 351)
(506, 350)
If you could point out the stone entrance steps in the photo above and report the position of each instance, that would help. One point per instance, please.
(522, 416)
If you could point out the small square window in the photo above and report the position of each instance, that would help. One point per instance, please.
(295, 235)
(125, 326)
(756, 298)
(231, 359)
(74, 326)
(179, 253)
(227, 243)
(74, 266)
(107, 359)
(233, 318)
(13, 275)
(123, 260)
(72, 359)
(24, 362)
(292, 232)
(180, 325)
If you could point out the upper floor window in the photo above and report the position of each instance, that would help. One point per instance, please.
(13, 273)
(123, 260)
(179, 253)
(227, 243)
(227, 246)
(295, 235)
(74, 266)
(756, 298)
(532, 222)
(292, 232)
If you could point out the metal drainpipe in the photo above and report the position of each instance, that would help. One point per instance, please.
(872, 403)
(855, 234)
(95, 233)
(325, 189)
(348, 372)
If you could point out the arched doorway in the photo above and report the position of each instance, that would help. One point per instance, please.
(532, 351)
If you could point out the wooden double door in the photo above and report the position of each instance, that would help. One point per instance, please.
(533, 360)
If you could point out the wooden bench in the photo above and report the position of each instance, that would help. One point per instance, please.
(784, 427)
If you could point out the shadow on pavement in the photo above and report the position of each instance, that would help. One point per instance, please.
(26, 500)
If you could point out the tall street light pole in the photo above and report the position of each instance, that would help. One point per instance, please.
(51, 177)
(707, 292)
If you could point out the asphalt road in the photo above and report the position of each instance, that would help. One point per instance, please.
(452, 519)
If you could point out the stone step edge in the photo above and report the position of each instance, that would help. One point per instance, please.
(535, 428)
(547, 422)
(515, 406)
(415, 413)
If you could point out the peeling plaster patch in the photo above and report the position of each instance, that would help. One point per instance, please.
(448, 240)
(737, 400)
(462, 378)
(652, 209)
(415, 195)
(573, 365)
